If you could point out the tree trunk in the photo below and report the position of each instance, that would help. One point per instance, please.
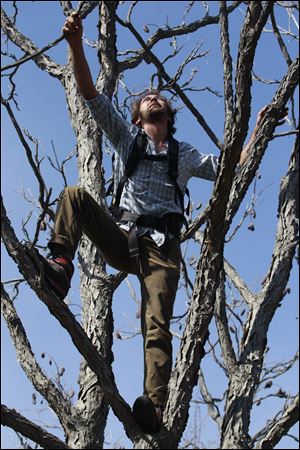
(96, 288)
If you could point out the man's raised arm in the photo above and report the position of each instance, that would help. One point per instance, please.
(73, 31)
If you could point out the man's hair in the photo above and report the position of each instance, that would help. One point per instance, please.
(135, 110)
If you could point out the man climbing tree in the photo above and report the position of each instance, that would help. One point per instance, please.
(140, 232)
(141, 237)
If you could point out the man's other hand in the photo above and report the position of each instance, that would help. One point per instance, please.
(263, 112)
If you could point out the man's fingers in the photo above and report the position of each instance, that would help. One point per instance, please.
(281, 119)
(284, 112)
(265, 109)
(69, 28)
(283, 116)
(261, 114)
(74, 18)
(72, 24)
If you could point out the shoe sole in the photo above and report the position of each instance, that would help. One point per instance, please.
(145, 414)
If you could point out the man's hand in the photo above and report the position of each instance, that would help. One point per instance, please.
(263, 112)
(73, 30)
(259, 119)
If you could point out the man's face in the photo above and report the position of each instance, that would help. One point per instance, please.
(153, 108)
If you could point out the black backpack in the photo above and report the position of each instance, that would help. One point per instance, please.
(138, 153)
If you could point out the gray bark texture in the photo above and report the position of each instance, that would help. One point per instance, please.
(84, 421)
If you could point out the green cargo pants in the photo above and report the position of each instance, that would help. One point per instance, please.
(78, 212)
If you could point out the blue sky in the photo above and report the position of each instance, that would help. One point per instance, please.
(43, 112)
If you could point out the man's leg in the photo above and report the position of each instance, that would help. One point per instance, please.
(78, 212)
(159, 287)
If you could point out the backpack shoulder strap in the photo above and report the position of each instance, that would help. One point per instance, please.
(109, 190)
(173, 158)
(173, 173)
(173, 170)
(136, 154)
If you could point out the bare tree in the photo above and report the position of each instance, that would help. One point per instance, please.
(242, 342)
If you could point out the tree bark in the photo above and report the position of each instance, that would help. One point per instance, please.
(96, 287)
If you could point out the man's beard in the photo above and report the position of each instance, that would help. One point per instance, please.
(153, 115)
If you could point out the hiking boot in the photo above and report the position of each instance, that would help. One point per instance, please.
(147, 415)
(58, 273)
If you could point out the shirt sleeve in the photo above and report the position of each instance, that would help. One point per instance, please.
(117, 129)
(204, 166)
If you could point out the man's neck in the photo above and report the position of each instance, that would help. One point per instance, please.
(157, 132)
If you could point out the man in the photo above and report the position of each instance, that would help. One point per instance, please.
(143, 236)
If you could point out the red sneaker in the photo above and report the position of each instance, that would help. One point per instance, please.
(58, 273)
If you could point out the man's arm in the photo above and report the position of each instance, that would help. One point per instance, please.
(72, 31)
(260, 116)
(112, 124)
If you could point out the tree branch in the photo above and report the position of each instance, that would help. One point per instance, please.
(42, 187)
(233, 275)
(195, 225)
(19, 423)
(27, 46)
(280, 426)
(33, 55)
(283, 253)
(84, 7)
(257, 149)
(203, 298)
(165, 33)
(227, 349)
(227, 65)
(209, 401)
(27, 361)
(249, 297)
(243, 383)
(255, 19)
(280, 40)
(251, 31)
(276, 370)
(287, 133)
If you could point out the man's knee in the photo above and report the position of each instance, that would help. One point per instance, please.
(72, 192)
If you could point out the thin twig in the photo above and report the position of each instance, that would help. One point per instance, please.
(40, 219)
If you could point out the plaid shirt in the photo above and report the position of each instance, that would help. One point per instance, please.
(149, 190)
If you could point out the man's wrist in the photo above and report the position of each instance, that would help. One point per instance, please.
(76, 48)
